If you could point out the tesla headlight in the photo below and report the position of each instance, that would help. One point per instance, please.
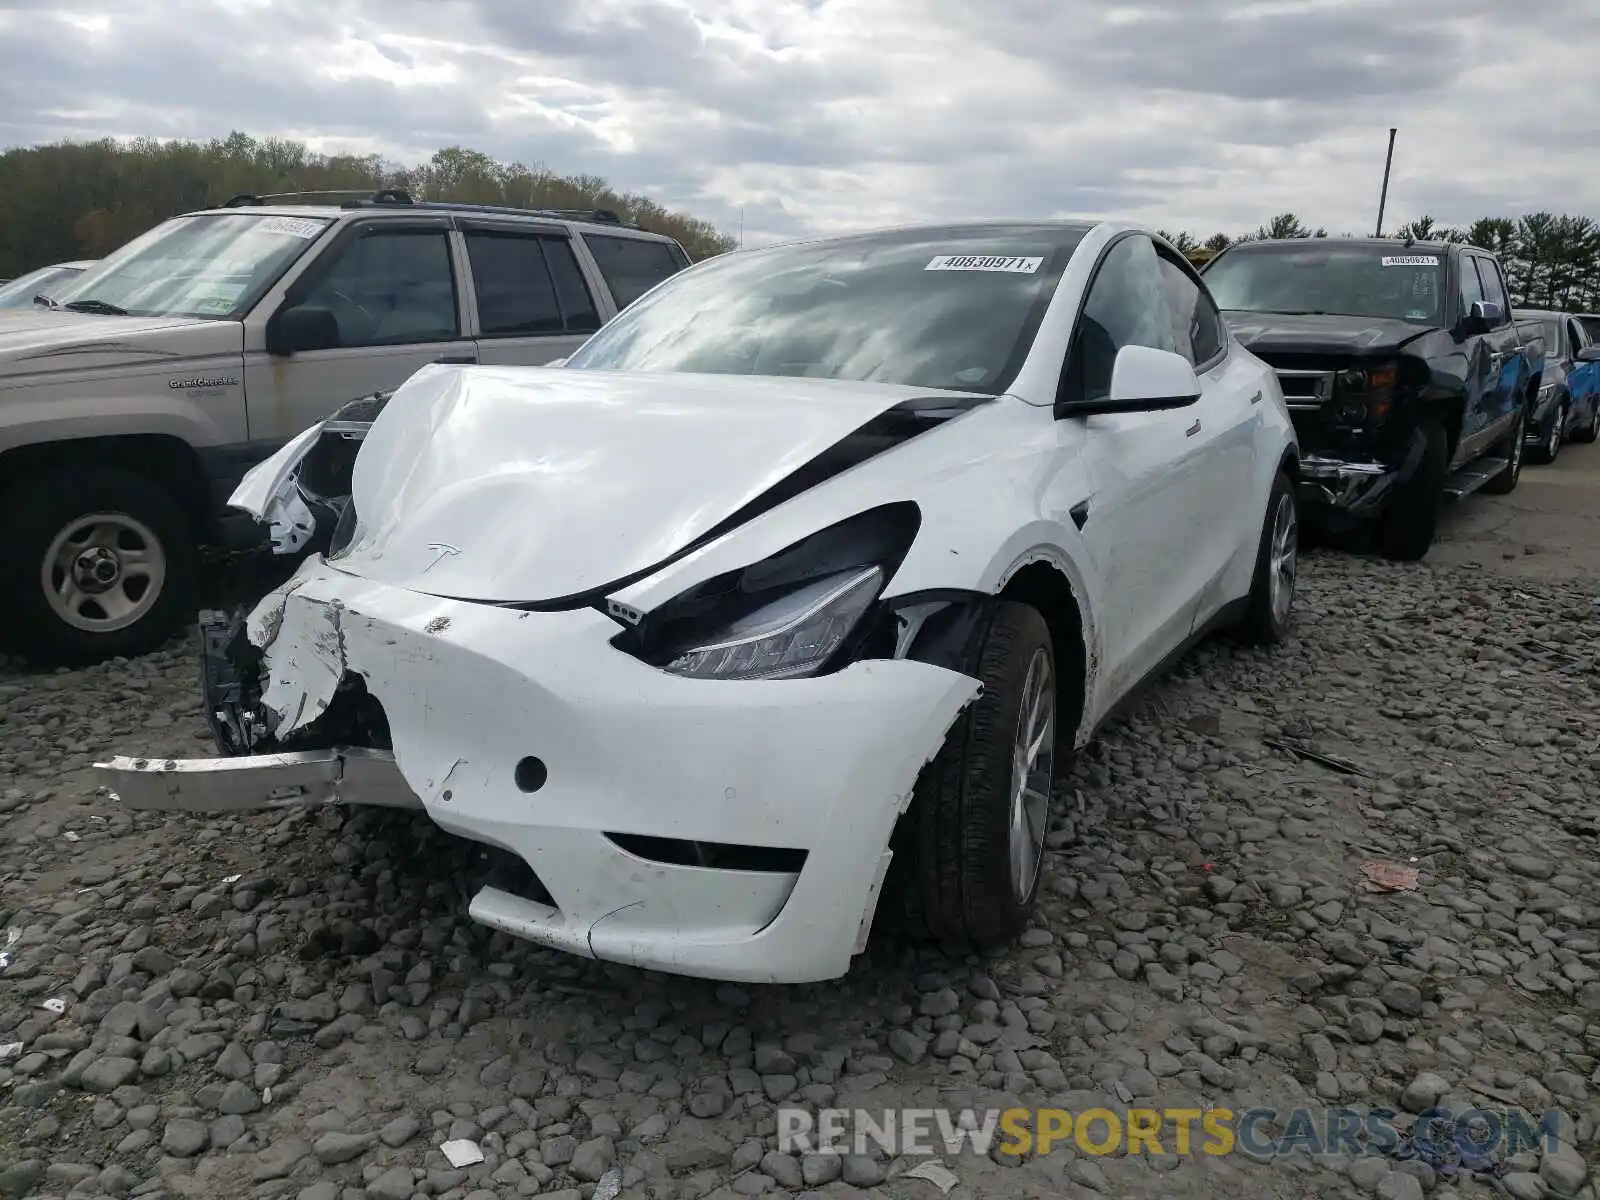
(786, 637)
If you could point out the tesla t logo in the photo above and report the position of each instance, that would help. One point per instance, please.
(442, 551)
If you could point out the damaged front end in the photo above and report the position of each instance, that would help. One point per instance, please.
(708, 787)
(302, 491)
(1357, 423)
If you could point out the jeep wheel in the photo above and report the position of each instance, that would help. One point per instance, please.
(969, 852)
(101, 563)
(1405, 529)
(1550, 439)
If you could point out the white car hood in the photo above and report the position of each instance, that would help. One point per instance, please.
(531, 485)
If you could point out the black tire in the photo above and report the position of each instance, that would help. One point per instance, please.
(951, 878)
(1590, 432)
(36, 511)
(1405, 530)
(1550, 438)
(1511, 449)
(1265, 622)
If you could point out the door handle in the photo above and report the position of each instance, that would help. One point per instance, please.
(1495, 360)
(1256, 399)
(460, 360)
(1193, 429)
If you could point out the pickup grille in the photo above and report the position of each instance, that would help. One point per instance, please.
(1306, 389)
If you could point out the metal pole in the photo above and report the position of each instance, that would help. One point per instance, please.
(1383, 197)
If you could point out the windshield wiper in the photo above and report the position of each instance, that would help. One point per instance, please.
(104, 307)
(45, 300)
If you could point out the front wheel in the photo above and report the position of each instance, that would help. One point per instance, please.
(969, 852)
(1591, 429)
(1550, 442)
(1406, 528)
(100, 563)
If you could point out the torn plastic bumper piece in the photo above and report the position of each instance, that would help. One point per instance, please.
(244, 784)
(531, 733)
(1360, 489)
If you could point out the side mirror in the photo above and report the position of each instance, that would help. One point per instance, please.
(302, 328)
(1589, 354)
(1142, 380)
(1483, 316)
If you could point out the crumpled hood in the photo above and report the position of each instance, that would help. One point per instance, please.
(1334, 335)
(533, 485)
(43, 339)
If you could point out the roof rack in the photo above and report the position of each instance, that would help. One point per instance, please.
(400, 198)
(247, 199)
(392, 196)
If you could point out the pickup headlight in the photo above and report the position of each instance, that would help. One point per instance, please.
(796, 614)
(788, 637)
(1369, 379)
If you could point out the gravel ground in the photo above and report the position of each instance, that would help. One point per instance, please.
(296, 1006)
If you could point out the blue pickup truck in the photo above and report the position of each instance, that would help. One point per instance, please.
(1407, 378)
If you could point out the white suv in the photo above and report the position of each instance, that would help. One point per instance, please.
(133, 402)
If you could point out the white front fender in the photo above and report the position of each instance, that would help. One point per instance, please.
(265, 483)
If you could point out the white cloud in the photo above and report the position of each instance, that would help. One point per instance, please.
(815, 115)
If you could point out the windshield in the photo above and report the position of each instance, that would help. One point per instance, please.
(19, 293)
(213, 265)
(1323, 277)
(951, 309)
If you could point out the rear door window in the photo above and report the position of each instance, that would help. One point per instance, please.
(528, 283)
(632, 266)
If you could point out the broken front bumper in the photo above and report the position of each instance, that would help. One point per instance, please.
(530, 732)
(1356, 487)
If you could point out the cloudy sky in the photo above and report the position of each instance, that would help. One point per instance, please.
(814, 115)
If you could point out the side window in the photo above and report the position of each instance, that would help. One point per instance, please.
(631, 266)
(1576, 338)
(1471, 288)
(1126, 306)
(1196, 323)
(1494, 288)
(390, 287)
(528, 284)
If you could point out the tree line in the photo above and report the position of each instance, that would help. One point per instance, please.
(1551, 261)
(72, 200)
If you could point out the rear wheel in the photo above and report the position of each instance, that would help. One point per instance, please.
(1406, 528)
(1511, 449)
(1551, 436)
(969, 852)
(1266, 621)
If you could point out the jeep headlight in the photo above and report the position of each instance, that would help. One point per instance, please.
(795, 614)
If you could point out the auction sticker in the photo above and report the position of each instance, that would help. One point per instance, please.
(1411, 260)
(984, 262)
(299, 227)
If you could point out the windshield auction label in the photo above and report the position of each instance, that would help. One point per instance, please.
(984, 262)
(1411, 260)
(298, 227)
